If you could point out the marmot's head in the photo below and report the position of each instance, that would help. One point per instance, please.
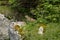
(16, 27)
(19, 29)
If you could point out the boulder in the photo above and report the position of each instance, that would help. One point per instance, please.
(4, 23)
(6, 29)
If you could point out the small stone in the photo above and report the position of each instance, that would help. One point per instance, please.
(40, 31)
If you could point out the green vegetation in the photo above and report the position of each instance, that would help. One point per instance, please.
(52, 32)
(43, 11)
(7, 11)
(48, 10)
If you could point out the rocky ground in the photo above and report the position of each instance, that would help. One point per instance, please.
(6, 29)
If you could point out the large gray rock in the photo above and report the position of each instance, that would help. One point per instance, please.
(4, 23)
(6, 29)
(14, 34)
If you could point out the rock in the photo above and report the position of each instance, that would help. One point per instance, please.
(6, 29)
(14, 34)
(1, 16)
(4, 23)
(29, 18)
(41, 29)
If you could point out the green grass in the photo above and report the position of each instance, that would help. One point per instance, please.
(7, 11)
(52, 32)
